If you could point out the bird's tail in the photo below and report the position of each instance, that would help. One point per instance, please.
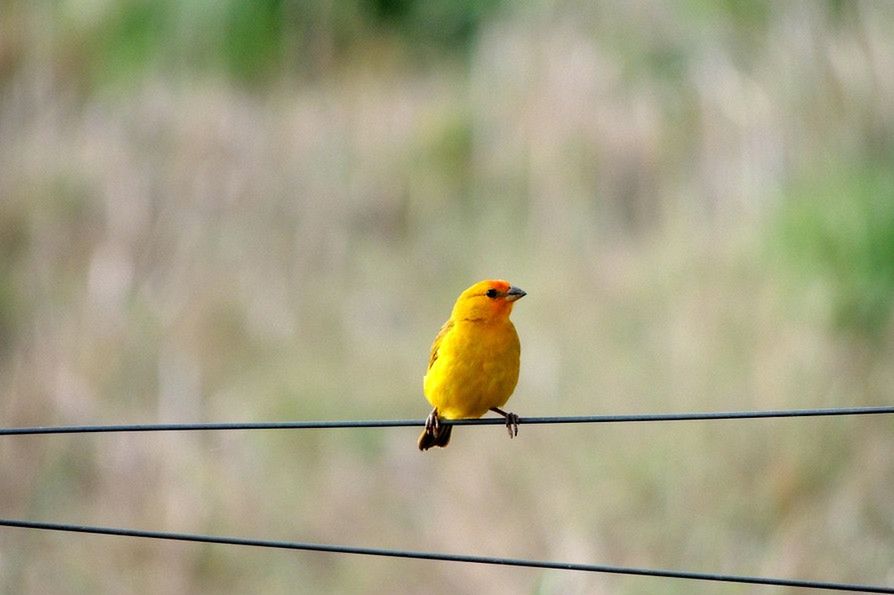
(436, 436)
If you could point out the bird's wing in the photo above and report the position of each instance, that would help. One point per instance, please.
(437, 342)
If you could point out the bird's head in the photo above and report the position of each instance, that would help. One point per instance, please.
(487, 300)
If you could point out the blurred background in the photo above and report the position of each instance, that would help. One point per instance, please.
(254, 211)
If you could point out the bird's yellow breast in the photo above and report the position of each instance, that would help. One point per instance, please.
(476, 368)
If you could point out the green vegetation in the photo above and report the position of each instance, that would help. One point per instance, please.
(254, 43)
(838, 231)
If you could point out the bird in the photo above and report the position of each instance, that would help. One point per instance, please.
(474, 361)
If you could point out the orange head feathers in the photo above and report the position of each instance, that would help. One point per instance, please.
(489, 300)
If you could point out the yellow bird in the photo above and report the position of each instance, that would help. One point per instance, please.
(473, 367)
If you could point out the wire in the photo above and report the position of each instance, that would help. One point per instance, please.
(367, 551)
(392, 423)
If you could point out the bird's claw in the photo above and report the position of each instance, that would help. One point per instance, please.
(433, 422)
(512, 424)
(511, 421)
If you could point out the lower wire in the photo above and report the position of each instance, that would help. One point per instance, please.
(420, 555)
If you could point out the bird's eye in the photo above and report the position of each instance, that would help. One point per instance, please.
(491, 293)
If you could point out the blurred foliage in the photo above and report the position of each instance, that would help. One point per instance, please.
(14, 243)
(434, 25)
(250, 41)
(837, 229)
(258, 41)
(745, 16)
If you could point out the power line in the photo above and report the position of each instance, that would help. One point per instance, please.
(392, 423)
(419, 555)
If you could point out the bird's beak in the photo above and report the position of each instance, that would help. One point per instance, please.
(515, 293)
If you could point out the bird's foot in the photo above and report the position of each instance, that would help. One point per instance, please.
(434, 434)
(433, 423)
(511, 421)
(512, 424)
